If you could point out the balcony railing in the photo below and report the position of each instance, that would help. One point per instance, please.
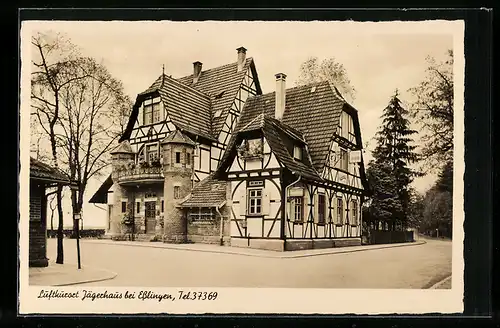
(140, 174)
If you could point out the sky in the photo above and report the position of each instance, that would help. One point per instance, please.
(378, 57)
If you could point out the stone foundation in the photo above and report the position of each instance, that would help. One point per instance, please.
(294, 244)
(267, 244)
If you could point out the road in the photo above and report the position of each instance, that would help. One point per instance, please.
(416, 266)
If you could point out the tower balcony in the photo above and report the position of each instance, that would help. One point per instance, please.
(140, 175)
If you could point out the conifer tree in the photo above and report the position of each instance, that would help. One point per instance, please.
(389, 173)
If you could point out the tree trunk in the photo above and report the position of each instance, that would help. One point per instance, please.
(60, 234)
(74, 205)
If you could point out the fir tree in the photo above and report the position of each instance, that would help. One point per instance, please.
(389, 173)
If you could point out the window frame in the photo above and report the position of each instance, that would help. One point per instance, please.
(354, 204)
(297, 152)
(293, 208)
(177, 192)
(340, 210)
(321, 208)
(252, 201)
(343, 162)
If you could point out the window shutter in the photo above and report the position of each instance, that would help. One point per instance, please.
(316, 207)
(162, 111)
(140, 116)
(243, 204)
(265, 203)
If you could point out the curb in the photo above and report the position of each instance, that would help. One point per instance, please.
(85, 281)
(440, 282)
(105, 275)
(333, 251)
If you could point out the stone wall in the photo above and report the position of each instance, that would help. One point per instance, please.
(37, 227)
(208, 232)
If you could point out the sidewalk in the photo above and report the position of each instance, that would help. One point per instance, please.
(250, 251)
(67, 274)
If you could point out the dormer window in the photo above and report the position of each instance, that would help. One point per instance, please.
(297, 153)
(151, 111)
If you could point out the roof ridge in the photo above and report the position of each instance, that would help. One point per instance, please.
(249, 59)
(305, 86)
(187, 86)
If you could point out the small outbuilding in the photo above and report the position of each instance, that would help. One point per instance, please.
(42, 176)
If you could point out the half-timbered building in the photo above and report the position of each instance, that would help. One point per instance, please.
(180, 125)
(296, 170)
(209, 158)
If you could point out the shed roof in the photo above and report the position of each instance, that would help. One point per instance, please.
(46, 173)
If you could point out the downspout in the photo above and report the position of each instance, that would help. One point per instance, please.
(285, 205)
(217, 209)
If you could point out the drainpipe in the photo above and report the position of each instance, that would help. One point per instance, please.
(286, 201)
(217, 209)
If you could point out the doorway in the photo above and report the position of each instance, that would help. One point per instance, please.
(150, 216)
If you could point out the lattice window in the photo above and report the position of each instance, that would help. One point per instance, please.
(254, 201)
(297, 209)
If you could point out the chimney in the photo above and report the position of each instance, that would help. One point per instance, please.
(279, 105)
(242, 53)
(196, 71)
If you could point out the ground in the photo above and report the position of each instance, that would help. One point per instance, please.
(418, 266)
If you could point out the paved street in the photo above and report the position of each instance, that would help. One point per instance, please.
(418, 266)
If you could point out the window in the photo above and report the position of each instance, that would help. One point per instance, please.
(152, 152)
(124, 207)
(201, 214)
(162, 205)
(354, 204)
(152, 111)
(148, 114)
(254, 201)
(188, 159)
(156, 112)
(297, 152)
(321, 208)
(138, 207)
(177, 192)
(343, 162)
(340, 210)
(297, 209)
(177, 157)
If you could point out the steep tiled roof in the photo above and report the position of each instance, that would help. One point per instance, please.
(44, 172)
(222, 84)
(314, 113)
(278, 135)
(191, 106)
(209, 192)
(188, 108)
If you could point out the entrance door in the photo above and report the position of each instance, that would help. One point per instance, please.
(150, 216)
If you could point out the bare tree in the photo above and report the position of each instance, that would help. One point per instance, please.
(94, 116)
(433, 110)
(53, 64)
(312, 70)
(81, 109)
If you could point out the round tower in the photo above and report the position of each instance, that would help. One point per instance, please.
(120, 159)
(178, 163)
